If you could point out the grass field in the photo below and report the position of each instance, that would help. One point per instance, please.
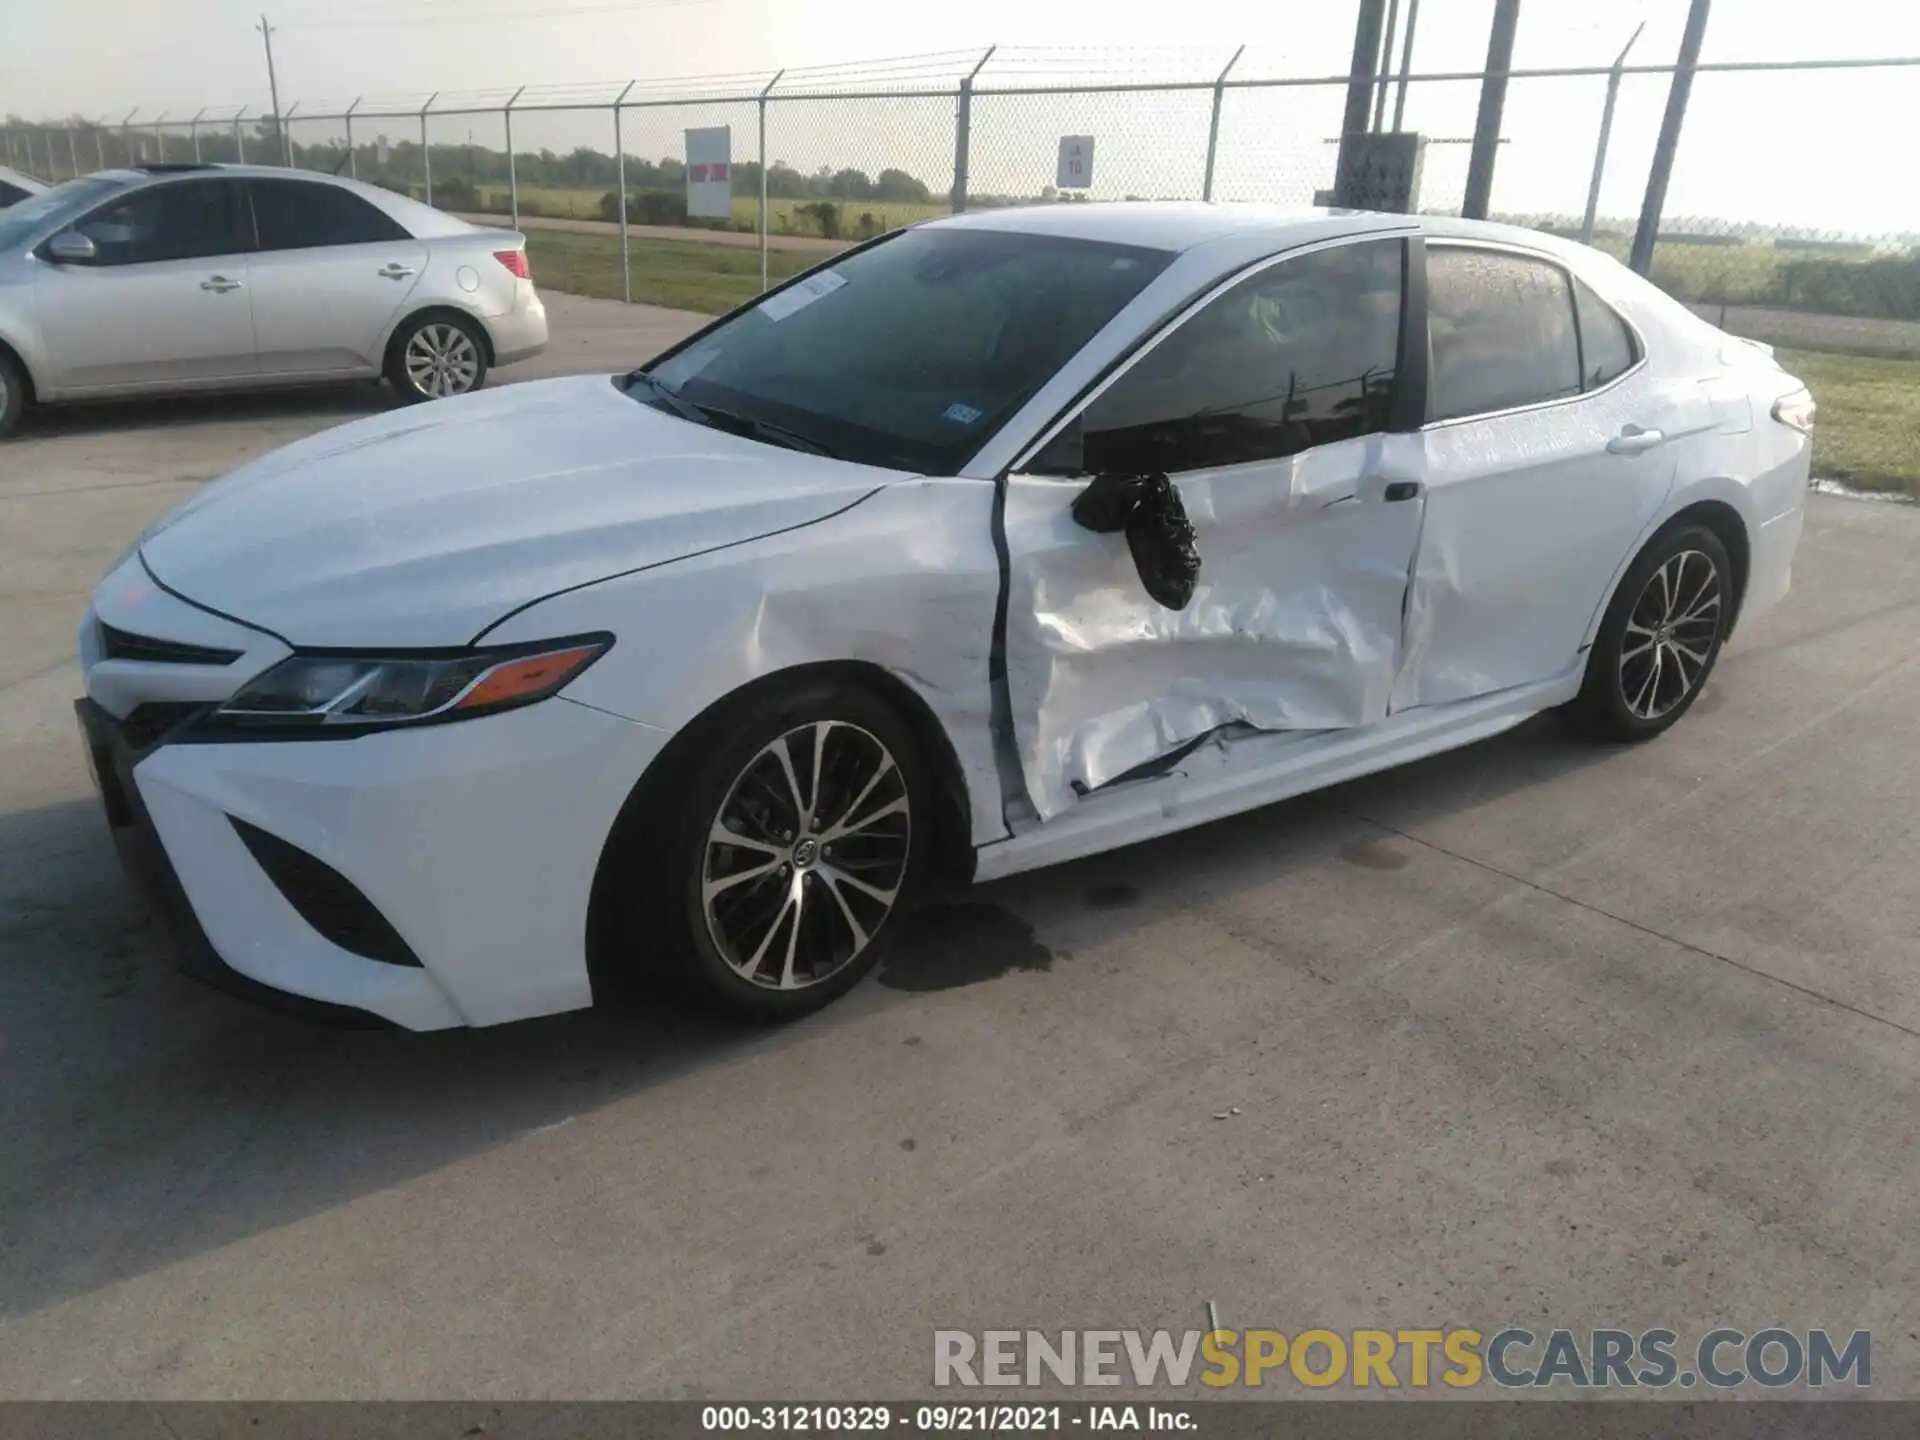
(684, 275)
(583, 203)
(1867, 433)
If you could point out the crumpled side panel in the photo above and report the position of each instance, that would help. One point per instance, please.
(1294, 625)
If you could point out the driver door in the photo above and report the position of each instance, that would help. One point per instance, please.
(1274, 406)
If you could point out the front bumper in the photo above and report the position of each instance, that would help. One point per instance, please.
(477, 842)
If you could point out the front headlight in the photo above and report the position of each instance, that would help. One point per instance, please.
(328, 691)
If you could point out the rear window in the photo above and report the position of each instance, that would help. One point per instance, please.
(912, 353)
(301, 215)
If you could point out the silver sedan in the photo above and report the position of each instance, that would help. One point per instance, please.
(204, 277)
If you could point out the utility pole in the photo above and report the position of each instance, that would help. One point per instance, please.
(273, 82)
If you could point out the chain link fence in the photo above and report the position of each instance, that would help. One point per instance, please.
(1775, 227)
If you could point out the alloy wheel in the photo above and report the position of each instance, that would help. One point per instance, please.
(442, 360)
(807, 855)
(1670, 635)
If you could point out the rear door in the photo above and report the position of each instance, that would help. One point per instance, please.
(1548, 449)
(1272, 407)
(330, 276)
(165, 301)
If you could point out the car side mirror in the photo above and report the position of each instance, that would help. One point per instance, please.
(1159, 535)
(70, 247)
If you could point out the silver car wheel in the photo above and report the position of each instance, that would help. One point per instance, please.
(806, 857)
(442, 360)
(1670, 635)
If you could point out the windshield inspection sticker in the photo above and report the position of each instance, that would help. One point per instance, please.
(964, 414)
(798, 297)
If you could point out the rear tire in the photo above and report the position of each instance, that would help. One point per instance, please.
(435, 357)
(13, 395)
(825, 789)
(1660, 638)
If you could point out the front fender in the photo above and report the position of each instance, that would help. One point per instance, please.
(907, 580)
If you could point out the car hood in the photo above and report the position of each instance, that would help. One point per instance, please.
(425, 526)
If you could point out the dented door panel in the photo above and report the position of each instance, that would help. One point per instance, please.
(1294, 623)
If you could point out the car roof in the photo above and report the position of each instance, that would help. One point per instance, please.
(1184, 224)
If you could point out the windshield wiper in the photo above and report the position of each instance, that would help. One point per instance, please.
(729, 420)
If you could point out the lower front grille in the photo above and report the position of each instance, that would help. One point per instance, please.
(326, 899)
(147, 725)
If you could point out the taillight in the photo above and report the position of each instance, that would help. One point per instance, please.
(516, 261)
(1796, 410)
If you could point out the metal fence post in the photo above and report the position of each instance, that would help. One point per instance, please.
(1386, 64)
(1493, 105)
(1606, 134)
(286, 133)
(1213, 126)
(239, 136)
(620, 179)
(1669, 142)
(73, 153)
(513, 173)
(100, 144)
(426, 150)
(353, 161)
(760, 222)
(160, 137)
(1362, 72)
(126, 136)
(963, 133)
(1406, 66)
(193, 130)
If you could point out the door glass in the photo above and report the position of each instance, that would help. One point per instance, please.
(184, 220)
(1502, 332)
(298, 215)
(1606, 345)
(1303, 353)
(9, 194)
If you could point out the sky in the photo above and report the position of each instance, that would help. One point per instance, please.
(1794, 149)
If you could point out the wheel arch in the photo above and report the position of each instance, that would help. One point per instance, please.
(1718, 513)
(442, 308)
(952, 853)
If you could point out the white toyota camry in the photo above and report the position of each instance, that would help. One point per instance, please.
(994, 542)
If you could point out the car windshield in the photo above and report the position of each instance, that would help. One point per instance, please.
(29, 216)
(908, 354)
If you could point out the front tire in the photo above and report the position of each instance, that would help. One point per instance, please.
(792, 849)
(435, 357)
(1660, 638)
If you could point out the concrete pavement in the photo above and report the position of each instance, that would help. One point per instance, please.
(1534, 1033)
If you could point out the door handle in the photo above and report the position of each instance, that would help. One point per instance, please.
(1632, 440)
(219, 284)
(1401, 490)
(397, 272)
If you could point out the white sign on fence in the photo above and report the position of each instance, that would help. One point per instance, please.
(1076, 163)
(710, 172)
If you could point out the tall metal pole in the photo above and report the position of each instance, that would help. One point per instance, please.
(353, 161)
(1360, 80)
(1493, 104)
(1213, 125)
(963, 133)
(273, 81)
(1386, 65)
(426, 154)
(1668, 144)
(760, 221)
(513, 173)
(1406, 66)
(1606, 134)
(620, 183)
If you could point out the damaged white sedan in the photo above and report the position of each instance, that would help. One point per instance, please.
(998, 541)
